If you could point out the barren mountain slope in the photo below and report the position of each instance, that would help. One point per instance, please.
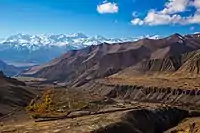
(80, 66)
(13, 94)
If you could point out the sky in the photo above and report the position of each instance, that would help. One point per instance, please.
(110, 18)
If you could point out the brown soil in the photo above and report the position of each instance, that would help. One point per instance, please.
(14, 95)
(189, 125)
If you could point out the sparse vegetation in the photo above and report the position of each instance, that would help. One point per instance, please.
(42, 105)
(61, 101)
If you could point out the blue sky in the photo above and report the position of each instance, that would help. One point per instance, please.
(111, 18)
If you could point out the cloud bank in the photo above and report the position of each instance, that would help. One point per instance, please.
(171, 14)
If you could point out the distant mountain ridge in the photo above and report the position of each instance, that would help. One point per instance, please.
(80, 66)
(9, 70)
(42, 48)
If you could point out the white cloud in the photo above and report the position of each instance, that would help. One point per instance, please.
(107, 7)
(193, 19)
(170, 14)
(156, 18)
(175, 6)
(196, 3)
(137, 21)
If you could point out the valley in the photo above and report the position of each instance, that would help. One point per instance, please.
(146, 86)
(99, 66)
(97, 107)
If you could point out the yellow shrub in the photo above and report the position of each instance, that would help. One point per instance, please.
(43, 105)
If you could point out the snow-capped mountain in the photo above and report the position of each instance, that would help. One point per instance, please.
(42, 48)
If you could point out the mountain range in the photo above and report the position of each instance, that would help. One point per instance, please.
(172, 54)
(25, 48)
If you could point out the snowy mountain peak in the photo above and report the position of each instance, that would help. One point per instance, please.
(42, 48)
(72, 41)
(77, 35)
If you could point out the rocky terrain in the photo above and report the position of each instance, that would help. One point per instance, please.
(183, 98)
(187, 126)
(94, 113)
(172, 55)
(147, 86)
(136, 120)
(146, 121)
(14, 95)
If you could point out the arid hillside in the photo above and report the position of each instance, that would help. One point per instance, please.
(80, 66)
(146, 86)
(14, 95)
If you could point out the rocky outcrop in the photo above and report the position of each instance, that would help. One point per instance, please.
(189, 98)
(146, 121)
(192, 65)
(179, 65)
(170, 64)
(172, 96)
